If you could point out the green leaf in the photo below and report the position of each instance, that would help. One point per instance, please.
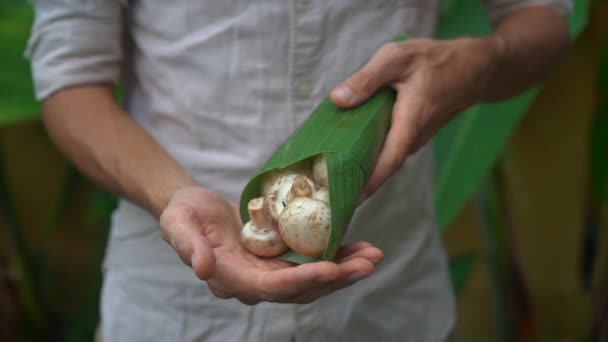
(460, 270)
(18, 102)
(578, 20)
(468, 147)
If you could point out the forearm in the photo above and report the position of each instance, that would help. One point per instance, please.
(91, 129)
(526, 46)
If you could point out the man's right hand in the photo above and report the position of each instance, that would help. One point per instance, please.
(204, 230)
(104, 142)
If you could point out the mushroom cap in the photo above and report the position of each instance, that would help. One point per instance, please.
(319, 171)
(263, 242)
(302, 167)
(305, 226)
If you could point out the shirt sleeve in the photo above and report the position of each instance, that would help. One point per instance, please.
(498, 9)
(74, 42)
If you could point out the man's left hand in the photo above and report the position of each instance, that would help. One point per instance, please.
(434, 80)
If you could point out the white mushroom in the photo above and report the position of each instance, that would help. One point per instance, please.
(322, 194)
(258, 235)
(283, 191)
(263, 242)
(305, 226)
(269, 182)
(319, 171)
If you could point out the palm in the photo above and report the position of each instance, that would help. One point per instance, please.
(204, 229)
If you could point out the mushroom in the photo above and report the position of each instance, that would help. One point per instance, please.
(319, 171)
(258, 235)
(305, 225)
(283, 191)
(263, 242)
(269, 182)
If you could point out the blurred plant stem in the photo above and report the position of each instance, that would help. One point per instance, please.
(512, 304)
(595, 258)
(60, 204)
(19, 259)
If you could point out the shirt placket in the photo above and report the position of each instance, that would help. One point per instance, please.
(305, 40)
(305, 43)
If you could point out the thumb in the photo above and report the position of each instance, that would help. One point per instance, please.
(361, 85)
(202, 259)
(189, 243)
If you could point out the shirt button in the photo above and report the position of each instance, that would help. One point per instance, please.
(304, 89)
(302, 3)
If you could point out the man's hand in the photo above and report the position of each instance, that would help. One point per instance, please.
(435, 79)
(204, 230)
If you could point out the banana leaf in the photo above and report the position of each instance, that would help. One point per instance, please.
(349, 140)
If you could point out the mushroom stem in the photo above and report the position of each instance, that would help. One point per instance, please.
(319, 171)
(301, 187)
(257, 213)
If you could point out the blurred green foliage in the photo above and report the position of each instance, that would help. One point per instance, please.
(18, 103)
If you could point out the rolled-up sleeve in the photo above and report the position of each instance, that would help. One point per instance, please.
(498, 9)
(74, 42)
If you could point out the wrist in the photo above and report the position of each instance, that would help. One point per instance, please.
(160, 199)
(492, 52)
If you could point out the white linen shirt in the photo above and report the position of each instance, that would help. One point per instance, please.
(220, 84)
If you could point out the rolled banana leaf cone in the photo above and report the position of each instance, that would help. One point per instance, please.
(350, 140)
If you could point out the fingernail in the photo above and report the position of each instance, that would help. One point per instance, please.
(344, 93)
(375, 261)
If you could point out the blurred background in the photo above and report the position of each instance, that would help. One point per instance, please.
(521, 196)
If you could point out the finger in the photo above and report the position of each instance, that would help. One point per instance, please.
(296, 289)
(280, 285)
(399, 141)
(248, 301)
(351, 248)
(360, 249)
(203, 257)
(351, 272)
(370, 253)
(182, 232)
(387, 65)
